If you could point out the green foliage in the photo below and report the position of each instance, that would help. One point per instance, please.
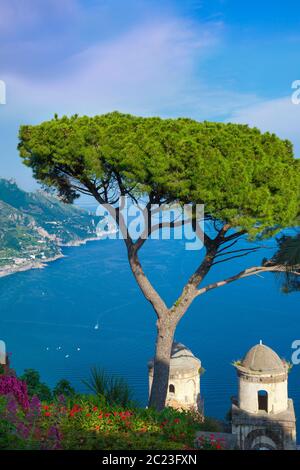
(244, 177)
(94, 422)
(8, 439)
(63, 387)
(114, 390)
(35, 386)
(210, 443)
(288, 255)
(88, 424)
(237, 363)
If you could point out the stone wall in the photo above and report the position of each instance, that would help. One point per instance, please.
(187, 389)
(277, 395)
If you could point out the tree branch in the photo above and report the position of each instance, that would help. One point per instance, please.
(234, 236)
(246, 273)
(232, 257)
(227, 247)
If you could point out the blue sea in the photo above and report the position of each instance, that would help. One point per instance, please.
(48, 318)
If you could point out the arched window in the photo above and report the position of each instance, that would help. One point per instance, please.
(171, 388)
(262, 396)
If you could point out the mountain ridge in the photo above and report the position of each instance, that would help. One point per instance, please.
(35, 226)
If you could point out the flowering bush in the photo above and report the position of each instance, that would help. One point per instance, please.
(210, 443)
(116, 428)
(88, 424)
(25, 428)
(11, 385)
(106, 421)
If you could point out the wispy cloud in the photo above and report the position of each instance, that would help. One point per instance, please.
(27, 14)
(154, 68)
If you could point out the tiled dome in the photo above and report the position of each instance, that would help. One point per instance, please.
(182, 358)
(261, 358)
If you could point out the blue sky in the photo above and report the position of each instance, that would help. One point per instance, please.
(224, 60)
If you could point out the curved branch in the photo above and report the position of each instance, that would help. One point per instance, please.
(246, 273)
(234, 236)
(235, 256)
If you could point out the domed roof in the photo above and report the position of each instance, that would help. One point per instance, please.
(182, 358)
(261, 359)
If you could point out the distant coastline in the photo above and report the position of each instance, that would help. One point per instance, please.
(80, 242)
(8, 270)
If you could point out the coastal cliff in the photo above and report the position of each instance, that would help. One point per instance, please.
(35, 226)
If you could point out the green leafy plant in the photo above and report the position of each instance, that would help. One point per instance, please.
(114, 390)
(35, 386)
(90, 424)
(63, 387)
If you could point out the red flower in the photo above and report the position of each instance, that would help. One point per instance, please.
(47, 413)
(177, 420)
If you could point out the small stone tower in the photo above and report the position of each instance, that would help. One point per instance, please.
(263, 416)
(2, 353)
(184, 379)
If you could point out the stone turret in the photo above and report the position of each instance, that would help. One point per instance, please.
(263, 415)
(184, 379)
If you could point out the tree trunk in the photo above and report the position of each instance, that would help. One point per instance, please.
(164, 341)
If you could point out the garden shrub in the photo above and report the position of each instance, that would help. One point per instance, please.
(11, 385)
(63, 387)
(115, 390)
(105, 420)
(35, 386)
